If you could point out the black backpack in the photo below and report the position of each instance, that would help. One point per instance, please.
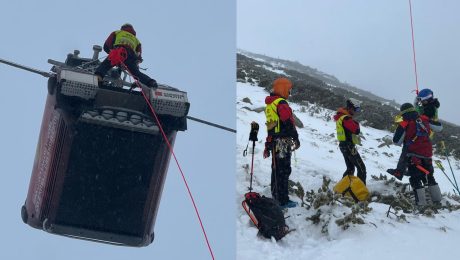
(266, 214)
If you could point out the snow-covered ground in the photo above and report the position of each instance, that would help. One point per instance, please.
(272, 69)
(380, 237)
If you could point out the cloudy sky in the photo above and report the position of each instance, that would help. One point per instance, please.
(365, 43)
(187, 44)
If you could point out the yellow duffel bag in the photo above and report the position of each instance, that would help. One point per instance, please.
(353, 187)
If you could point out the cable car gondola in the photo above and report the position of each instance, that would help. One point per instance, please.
(101, 160)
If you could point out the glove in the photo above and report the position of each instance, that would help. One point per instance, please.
(266, 153)
(268, 147)
(436, 103)
(430, 110)
(296, 143)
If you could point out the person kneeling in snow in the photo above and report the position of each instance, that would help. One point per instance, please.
(348, 136)
(282, 139)
(414, 133)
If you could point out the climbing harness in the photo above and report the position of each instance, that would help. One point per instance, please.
(283, 146)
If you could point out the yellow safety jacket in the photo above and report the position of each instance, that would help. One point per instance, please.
(273, 119)
(341, 132)
(126, 39)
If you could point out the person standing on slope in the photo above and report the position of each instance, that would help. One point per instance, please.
(124, 40)
(282, 139)
(414, 133)
(348, 135)
(427, 105)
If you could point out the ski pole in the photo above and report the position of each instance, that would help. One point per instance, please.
(439, 164)
(253, 138)
(448, 161)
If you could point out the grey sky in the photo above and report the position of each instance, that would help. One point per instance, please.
(365, 43)
(187, 44)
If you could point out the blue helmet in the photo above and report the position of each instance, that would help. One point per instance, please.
(425, 94)
(354, 104)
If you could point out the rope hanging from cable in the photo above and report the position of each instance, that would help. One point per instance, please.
(152, 110)
(413, 47)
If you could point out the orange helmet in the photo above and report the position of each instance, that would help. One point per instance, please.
(282, 87)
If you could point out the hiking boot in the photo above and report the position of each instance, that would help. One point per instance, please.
(398, 175)
(289, 204)
(133, 86)
(420, 197)
(435, 194)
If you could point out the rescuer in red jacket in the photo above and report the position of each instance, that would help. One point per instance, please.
(348, 135)
(281, 140)
(414, 133)
(125, 39)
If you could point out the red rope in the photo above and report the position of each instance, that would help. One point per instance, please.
(413, 47)
(175, 158)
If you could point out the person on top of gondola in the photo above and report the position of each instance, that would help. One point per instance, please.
(282, 139)
(124, 40)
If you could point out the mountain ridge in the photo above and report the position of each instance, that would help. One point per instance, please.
(313, 72)
(377, 112)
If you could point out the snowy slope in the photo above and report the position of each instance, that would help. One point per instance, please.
(380, 237)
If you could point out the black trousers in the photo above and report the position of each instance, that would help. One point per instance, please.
(353, 160)
(281, 170)
(402, 162)
(418, 178)
(131, 64)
